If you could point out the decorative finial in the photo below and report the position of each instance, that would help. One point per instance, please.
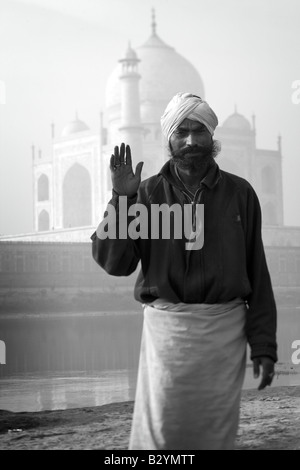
(235, 109)
(33, 151)
(153, 24)
(279, 143)
(253, 121)
(52, 129)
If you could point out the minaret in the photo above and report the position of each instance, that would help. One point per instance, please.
(279, 204)
(33, 153)
(52, 130)
(153, 24)
(254, 131)
(279, 143)
(34, 182)
(131, 128)
(254, 123)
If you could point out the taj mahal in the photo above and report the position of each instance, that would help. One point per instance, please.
(59, 310)
(72, 184)
(72, 181)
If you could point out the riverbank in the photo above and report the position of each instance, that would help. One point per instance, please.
(270, 420)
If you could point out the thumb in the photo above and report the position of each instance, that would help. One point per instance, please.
(256, 368)
(138, 169)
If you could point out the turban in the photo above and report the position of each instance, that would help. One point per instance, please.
(186, 105)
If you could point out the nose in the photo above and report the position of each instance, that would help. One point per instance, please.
(190, 140)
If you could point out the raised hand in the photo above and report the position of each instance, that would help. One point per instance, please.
(125, 182)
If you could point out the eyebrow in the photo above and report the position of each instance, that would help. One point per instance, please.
(183, 127)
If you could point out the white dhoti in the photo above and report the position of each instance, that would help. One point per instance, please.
(191, 371)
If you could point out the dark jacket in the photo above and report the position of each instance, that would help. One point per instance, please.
(231, 263)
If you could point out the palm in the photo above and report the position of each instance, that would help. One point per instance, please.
(124, 181)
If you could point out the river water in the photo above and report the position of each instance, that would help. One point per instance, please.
(59, 361)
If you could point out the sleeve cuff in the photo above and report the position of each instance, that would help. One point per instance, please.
(115, 202)
(115, 199)
(259, 350)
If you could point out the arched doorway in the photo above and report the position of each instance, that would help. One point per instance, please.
(43, 221)
(43, 188)
(268, 180)
(231, 167)
(77, 197)
(269, 214)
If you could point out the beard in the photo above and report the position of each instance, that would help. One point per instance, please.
(196, 157)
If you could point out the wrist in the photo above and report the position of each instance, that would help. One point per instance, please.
(129, 196)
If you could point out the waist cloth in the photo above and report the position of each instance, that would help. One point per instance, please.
(190, 375)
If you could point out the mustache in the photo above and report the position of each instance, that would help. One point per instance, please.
(206, 151)
(194, 149)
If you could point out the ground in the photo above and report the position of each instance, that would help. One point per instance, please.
(270, 420)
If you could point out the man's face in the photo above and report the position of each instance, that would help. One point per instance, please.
(191, 145)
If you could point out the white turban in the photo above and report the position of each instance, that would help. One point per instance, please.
(186, 105)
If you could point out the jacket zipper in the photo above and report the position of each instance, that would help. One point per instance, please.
(194, 202)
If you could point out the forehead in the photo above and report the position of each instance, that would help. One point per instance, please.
(191, 125)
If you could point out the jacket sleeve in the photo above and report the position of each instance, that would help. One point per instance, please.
(116, 254)
(261, 321)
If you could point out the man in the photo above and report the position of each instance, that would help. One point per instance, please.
(201, 303)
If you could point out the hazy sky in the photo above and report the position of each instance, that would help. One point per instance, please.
(56, 55)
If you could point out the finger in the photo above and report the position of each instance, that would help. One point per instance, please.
(128, 156)
(138, 169)
(117, 156)
(267, 373)
(256, 368)
(112, 163)
(122, 154)
(262, 385)
(266, 380)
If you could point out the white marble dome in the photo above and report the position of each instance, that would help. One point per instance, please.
(73, 127)
(237, 121)
(163, 73)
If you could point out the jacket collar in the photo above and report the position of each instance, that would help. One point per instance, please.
(210, 180)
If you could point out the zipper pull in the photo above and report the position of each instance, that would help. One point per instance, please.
(195, 201)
